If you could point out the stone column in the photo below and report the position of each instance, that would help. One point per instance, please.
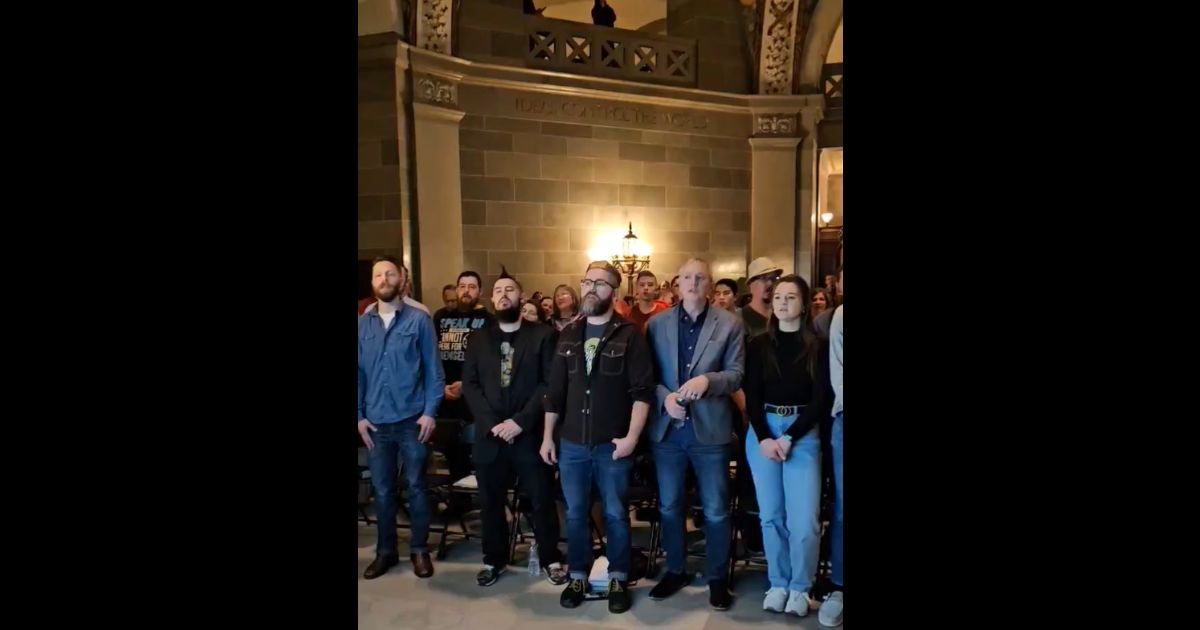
(807, 196)
(439, 239)
(806, 212)
(782, 190)
(773, 199)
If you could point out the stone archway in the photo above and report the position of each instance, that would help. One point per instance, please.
(826, 20)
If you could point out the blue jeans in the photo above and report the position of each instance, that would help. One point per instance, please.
(578, 465)
(711, 463)
(393, 441)
(789, 497)
(835, 528)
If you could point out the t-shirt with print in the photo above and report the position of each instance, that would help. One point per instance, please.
(454, 330)
(508, 345)
(591, 342)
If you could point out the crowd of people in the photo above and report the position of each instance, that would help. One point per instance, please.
(577, 380)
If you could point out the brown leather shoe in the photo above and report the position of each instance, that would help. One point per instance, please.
(379, 566)
(422, 565)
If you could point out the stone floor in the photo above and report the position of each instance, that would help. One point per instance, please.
(452, 599)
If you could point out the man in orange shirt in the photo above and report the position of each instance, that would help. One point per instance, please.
(646, 306)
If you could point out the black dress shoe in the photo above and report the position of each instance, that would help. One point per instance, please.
(669, 585)
(718, 595)
(573, 595)
(422, 565)
(489, 575)
(619, 599)
(379, 566)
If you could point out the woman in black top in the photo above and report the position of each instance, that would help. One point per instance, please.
(787, 389)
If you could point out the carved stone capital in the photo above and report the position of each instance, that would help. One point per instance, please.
(779, 125)
(435, 90)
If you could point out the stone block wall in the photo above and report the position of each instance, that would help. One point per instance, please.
(545, 179)
(384, 189)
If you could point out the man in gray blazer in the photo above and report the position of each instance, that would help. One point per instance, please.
(698, 356)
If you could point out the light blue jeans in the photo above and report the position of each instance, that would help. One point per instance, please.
(789, 498)
(835, 528)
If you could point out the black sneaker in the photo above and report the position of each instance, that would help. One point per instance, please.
(718, 595)
(489, 575)
(619, 599)
(557, 574)
(573, 595)
(669, 585)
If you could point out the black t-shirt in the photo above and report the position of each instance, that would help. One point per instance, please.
(591, 341)
(454, 330)
(508, 346)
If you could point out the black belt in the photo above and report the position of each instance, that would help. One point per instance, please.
(785, 410)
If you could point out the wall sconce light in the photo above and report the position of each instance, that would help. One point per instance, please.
(634, 256)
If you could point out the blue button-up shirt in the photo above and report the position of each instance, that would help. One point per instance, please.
(399, 372)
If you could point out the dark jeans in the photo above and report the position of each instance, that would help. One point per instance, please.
(536, 479)
(394, 441)
(578, 466)
(711, 463)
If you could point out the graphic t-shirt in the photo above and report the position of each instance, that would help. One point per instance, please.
(507, 341)
(591, 342)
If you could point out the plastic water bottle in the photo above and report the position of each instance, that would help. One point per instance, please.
(535, 565)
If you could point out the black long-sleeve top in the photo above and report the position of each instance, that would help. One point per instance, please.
(791, 384)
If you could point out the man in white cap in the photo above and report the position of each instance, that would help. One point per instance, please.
(761, 277)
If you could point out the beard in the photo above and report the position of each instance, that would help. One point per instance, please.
(464, 305)
(387, 294)
(508, 315)
(596, 306)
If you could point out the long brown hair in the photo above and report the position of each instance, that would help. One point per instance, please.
(574, 300)
(808, 335)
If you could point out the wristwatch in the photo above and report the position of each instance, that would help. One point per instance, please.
(785, 436)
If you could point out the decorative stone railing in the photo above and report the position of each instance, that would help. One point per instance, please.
(831, 81)
(609, 52)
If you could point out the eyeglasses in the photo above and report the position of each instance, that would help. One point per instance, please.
(599, 284)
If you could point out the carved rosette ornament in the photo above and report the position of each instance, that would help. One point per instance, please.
(433, 25)
(778, 46)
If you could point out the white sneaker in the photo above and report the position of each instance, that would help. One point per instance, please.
(776, 599)
(831, 610)
(797, 604)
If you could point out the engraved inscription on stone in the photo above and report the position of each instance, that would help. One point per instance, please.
(580, 112)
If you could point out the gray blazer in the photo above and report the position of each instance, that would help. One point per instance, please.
(720, 355)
